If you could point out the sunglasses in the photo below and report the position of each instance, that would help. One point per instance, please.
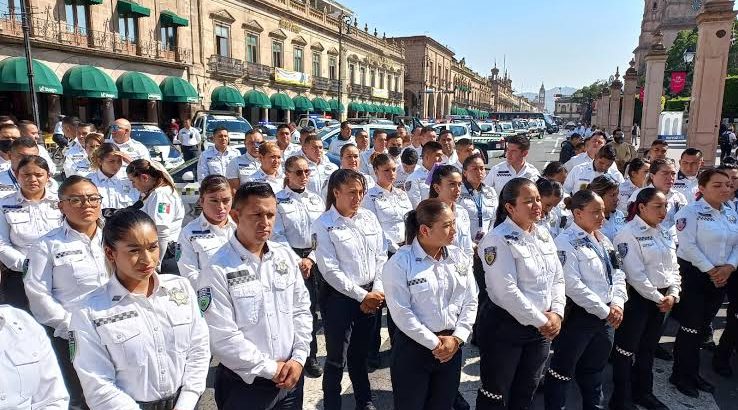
(301, 172)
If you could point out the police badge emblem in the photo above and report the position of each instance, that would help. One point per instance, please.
(623, 249)
(281, 267)
(461, 269)
(490, 254)
(562, 256)
(178, 296)
(408, 184)
(681, 223)
(204, 297)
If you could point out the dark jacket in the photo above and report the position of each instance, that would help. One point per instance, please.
(567, 151)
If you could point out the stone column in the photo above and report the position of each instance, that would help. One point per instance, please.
(631, 84)
(603, 114)
(615, 94)
(596, 105)
(655, 64)
(714, 24)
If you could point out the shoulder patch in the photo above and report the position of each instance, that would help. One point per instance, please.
(490, 254)
(408, 185)
(562, 257)
(623, 249)
(25, 267)
(681, 223)
(72, 345)
(204, 297)
(163, 208)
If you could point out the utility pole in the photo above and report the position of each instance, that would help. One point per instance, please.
(342, 19)
(29, 61)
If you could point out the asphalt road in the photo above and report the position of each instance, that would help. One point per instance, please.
(725, 398)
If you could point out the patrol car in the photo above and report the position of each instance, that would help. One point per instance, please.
(160, 147)
(207, 121)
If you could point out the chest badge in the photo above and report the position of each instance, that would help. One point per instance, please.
(178, 296)
(461, 269)
(281, 267)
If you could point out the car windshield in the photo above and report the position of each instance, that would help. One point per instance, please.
(458, 131)
(231, 124)
(506, 126)
(326, 130)
(149, 137)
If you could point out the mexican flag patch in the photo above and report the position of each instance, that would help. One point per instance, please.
(163, 208)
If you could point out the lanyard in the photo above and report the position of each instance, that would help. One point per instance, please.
(12, 178)
(602, 254)
(478, 202)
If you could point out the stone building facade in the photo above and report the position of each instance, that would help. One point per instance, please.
(668, 16)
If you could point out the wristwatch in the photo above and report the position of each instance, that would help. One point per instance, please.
(459, 341)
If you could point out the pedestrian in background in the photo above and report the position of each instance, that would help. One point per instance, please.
(635, 134)
(568, 147)
(635, 174)
(190, 139)
(624, 151)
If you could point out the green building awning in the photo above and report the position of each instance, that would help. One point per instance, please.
(336, 106)
(256, 98)
(129, 8)
(226, 96)
(170, 19)
(14, 76)
(321, 105)
(356, 106)
(88, 81)
(302, 103)
(282, 102)
(178, 90)
(137, 86)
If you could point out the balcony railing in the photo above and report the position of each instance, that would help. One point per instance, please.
(258, 72)
(362, 91)
(225, 66)
(395, 95)
(56, 32)
(321, 83)
(335, 86)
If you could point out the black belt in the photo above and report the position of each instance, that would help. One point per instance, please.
(444, 333)
(163, 404)
(302, 252)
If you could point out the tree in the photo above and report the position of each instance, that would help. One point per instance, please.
(586, 95)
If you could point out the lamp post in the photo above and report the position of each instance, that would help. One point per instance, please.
(688, 58)
(343, 19)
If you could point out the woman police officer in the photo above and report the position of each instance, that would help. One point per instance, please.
(139, 340)
(649, 259)
(445, 184)
(118, 193)
(525, 284)
(608, 189)
(431, 292)
(707, 230)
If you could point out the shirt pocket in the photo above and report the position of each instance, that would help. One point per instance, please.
(420, 291)
(18, 217)
(284, 286)
(247, 299)
(26, 364)
(181, 320)
(207, 246)
(343, 241)
(125, 343)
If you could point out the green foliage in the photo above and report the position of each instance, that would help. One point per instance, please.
(676, 104)
(730, 100)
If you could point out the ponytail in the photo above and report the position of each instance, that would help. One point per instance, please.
(427, 213)
(509, 195)
(411, 226)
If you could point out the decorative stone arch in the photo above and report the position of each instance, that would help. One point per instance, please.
(222, 16)
(332, 51)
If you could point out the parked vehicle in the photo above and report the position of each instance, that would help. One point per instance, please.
(316, 121)
(328, 134)
(160, 147)
(207, 121)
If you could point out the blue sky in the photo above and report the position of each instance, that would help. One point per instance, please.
(557, 42)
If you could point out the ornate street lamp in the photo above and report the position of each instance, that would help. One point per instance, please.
(688, 57)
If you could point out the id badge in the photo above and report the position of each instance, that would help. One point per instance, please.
(478, 237)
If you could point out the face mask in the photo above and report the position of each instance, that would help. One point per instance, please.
(619, 139)
(5, 145)
(394, 151)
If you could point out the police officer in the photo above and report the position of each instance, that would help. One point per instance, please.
(284, 141)
(344, 137)
(417, 185)
(431, 291)
(215, 159)
(595, 286)
(297, 209)
(525, 284)
(380, 147)
(389, 205)
(320, 167)
(270, 170)
(582, 175)
(707, 230)
(28, 368)
(592, 145)
(350, 252)
(479, 200)
(65, 265)
(663, 174)
(445, 184)
(116, 192)
(351, 159)
(257, 309)
(650, 264)
(608, 189)
(554, 215)
(28, 214)
(636, 172)
(81, 166)
(19, 149)
(120, 135)
(202, 237)
(77, 151)
(407, 164)
(514, 166)
(690, 163)
(139, 341)
(241, 167)
(162, 203)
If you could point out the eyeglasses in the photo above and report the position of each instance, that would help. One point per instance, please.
(301, 172)
(115, 127)
(77, 201)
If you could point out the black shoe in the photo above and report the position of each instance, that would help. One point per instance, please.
(721, 365)
(460, 402)
(366, 406)
(704, 385)
(688, 389)
(312, 369)
(651, 402)
(663, 354)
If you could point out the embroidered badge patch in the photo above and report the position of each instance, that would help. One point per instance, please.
(204, 297)
(178, 296)
(562, 256)
(408, 184)
(490, 254)
(623, 249)
(461, 269)
(25, 267)
(177, 251)
(681, 223)
(163, 208)
(281, 267)
(72, 345)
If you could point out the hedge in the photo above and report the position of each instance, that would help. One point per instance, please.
(676, 104)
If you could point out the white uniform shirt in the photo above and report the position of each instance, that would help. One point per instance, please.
(74, 154)
(63, 267)
(390, 208)
(319, 175)
(165, 207)
(79, 167)
(613, 224)
(9, 183)
(258, 310)
(625, 190)
(416, 187)
(522, 273)
(580, 158)
(291, 150)
(131, 348)
(117, 193)
(402, 175)
(30, 375)
(501, 173)
(337, 143)
(707, 237)
(674, 202)
(44, 153)
(558, 219)
(649, 259)
(274, 181)
(365, 165)
(22, 223)
(593, 277)
(481, 205)
(213, 162)
(463, 239)
(296, 213)
(687, 186)
(189, 137)
(582, 175)
(350, 252)
(242, 167)
(426, 296)
(198, 242)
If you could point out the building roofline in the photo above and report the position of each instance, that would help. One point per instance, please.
(427, 39)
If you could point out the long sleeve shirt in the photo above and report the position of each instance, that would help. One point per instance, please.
(198, 242)
(708, 237)
(296, 213)
(390, 208)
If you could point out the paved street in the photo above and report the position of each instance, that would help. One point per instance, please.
(542, 151)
